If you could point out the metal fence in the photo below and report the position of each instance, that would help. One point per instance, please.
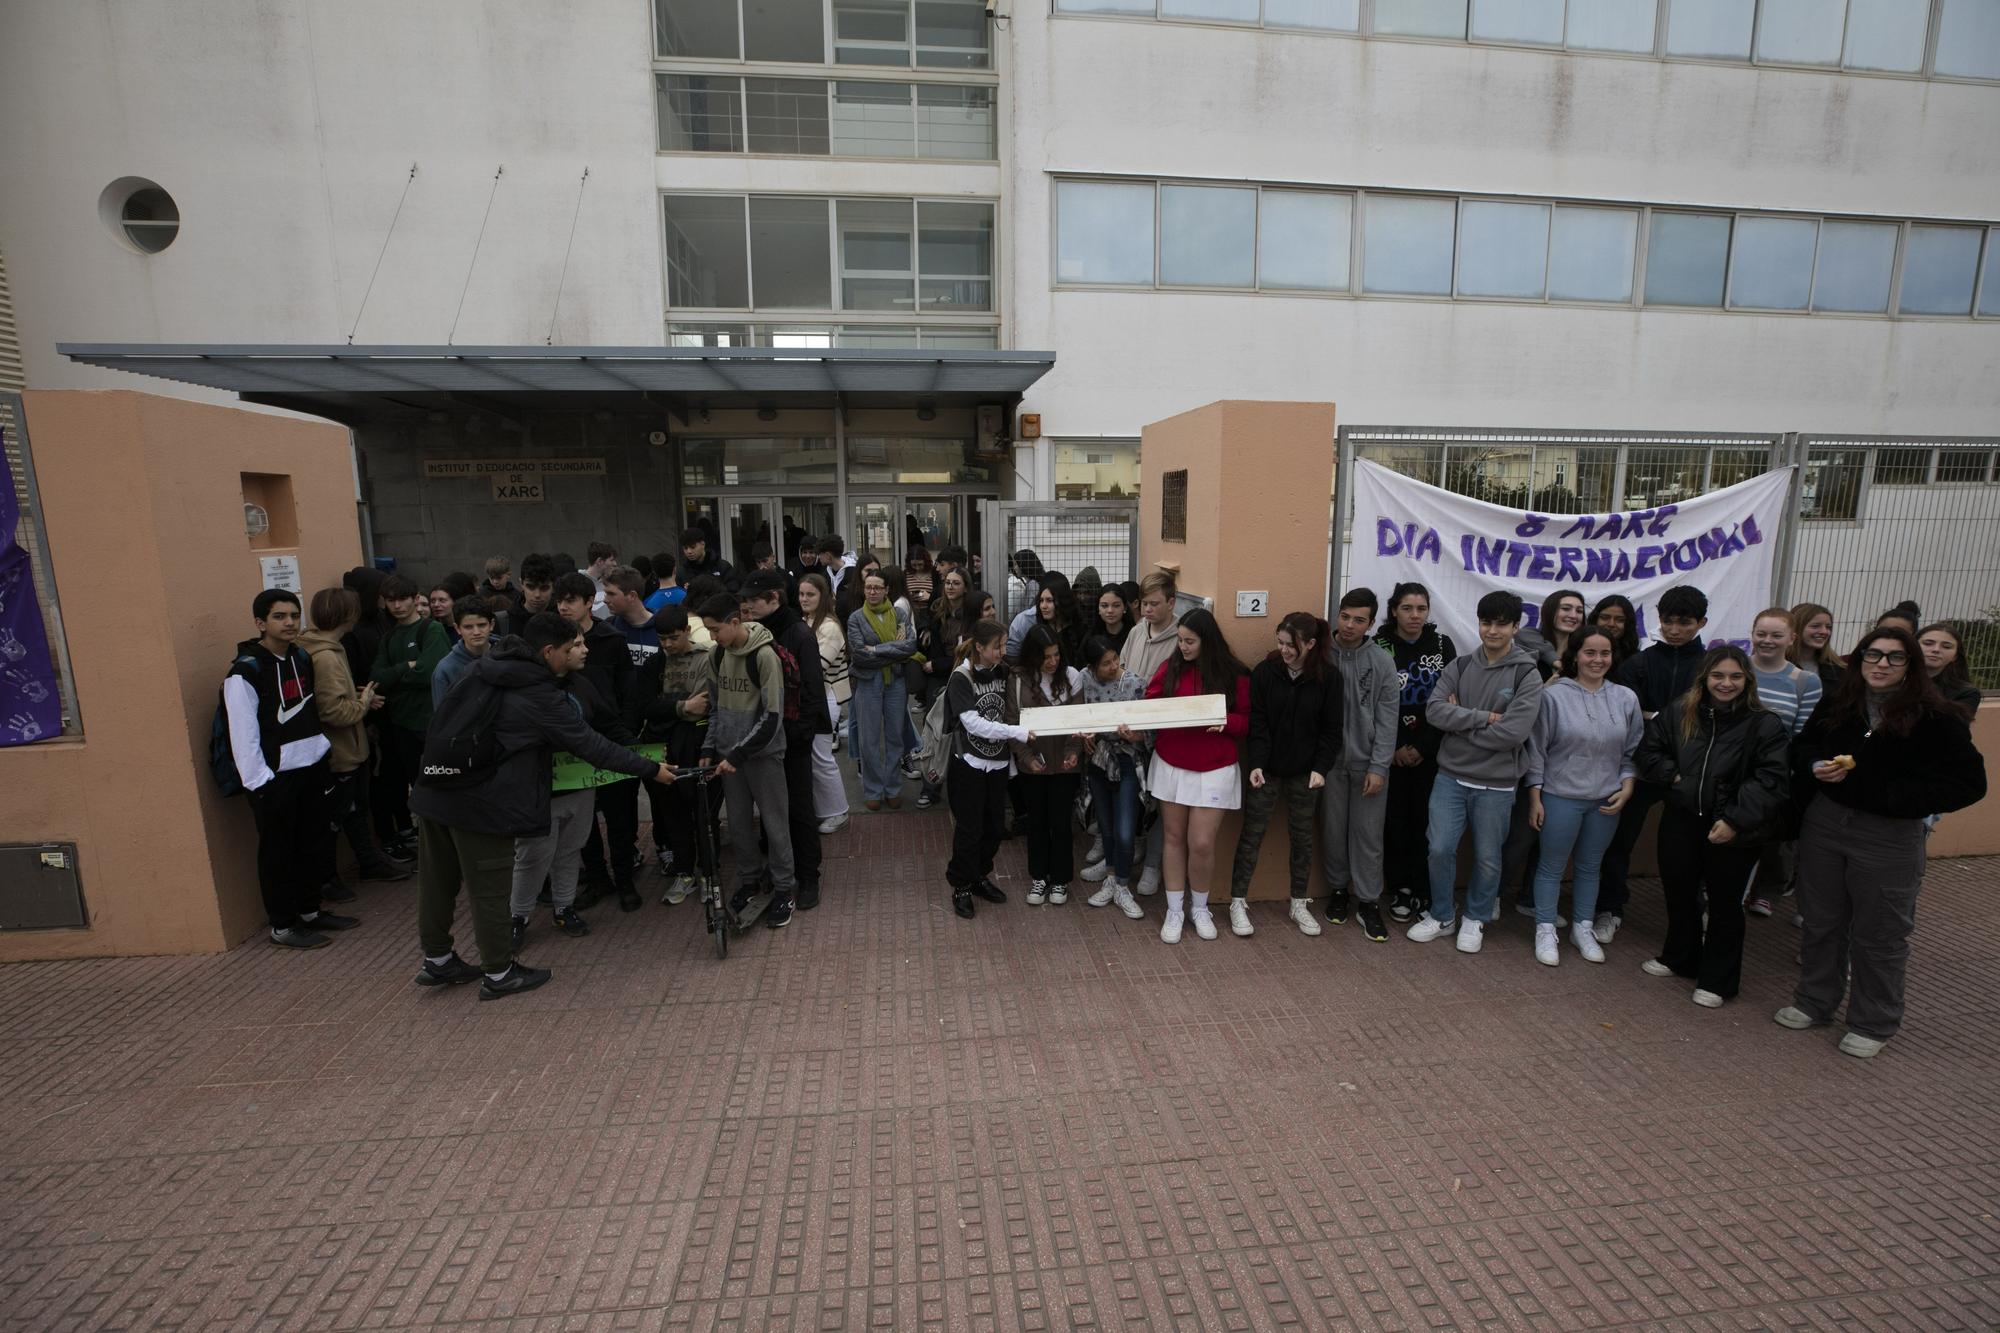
(1874, 520)
(1066, 535)
(28, 534)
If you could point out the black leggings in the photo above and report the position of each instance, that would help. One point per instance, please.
(978, 801)
(1050, 799)
(1406, 830)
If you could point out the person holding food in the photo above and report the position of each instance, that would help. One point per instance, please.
(1884, 749)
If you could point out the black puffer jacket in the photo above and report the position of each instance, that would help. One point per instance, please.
(1736, 767)
(534, 720)
(1294, 723)
(1932, 771)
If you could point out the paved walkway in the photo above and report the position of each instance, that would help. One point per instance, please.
(887, 1118)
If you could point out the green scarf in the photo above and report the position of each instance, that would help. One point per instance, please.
(883, 621)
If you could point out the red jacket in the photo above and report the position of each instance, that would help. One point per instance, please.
(1197, 749)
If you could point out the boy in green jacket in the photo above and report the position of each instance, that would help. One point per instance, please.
(410, 652)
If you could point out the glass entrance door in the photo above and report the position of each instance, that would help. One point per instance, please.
(875, 528)
(807, 517)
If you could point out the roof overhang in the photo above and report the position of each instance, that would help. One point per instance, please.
(326, 379)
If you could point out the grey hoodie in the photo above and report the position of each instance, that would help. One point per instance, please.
(1476, 751)
(1583, 741)
(1370, 694)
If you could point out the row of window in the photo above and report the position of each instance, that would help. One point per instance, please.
(1949, 38)
(921, 34)
(781, 252)
(1166, 234)
(957, 337)
(725, 113)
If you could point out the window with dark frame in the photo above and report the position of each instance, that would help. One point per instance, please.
(1173, 506)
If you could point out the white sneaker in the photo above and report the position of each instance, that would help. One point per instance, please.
(1860, 1047)
(1239, 918)
(1606, 927)
(1653, 967)
(1149, 882)
(1105, 895)
(1204, 923)
(1708, 999)
(1127, 903)
(1058, 894)
(1170, 929)
(1428, 928)
(1038, 892)
(1096, 852)
(1096, 870)
(1585, 940)
(1471, 934)
(1303, 918)
(1546, 952)
(833, 824)
(678, 889)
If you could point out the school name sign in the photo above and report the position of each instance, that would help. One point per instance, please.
(1461, 549)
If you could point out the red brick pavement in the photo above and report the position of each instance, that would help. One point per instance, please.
(887, 1118)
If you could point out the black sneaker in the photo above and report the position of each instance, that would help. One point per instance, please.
(333, 891)
(629, 899)
(807, 897)
(925, 800)
(1403, 905)
(779, 914)
(384, 869)
(1371, 921)
(961, 903)
(330, 921)
(1336, 907)
(990, 891)
(454, 971)
(571, 924)
(518, 932)
(517, 978)
(298, 937)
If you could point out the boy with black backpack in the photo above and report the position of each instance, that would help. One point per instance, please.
(806, 716)
(746, 741)
(279, 751)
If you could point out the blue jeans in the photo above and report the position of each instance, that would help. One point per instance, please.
(1454, 806)
(879, 719)
(1567, 825)
(1117, 806)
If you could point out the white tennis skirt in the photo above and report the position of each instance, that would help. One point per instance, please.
(1218, 789)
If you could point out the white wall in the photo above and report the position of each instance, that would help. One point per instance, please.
(1211, 102)
(285, 132)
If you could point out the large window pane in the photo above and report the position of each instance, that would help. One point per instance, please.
(1989, 289)
(871, 32)
(1591, 253)
(911, 461)
(876, 254)
(786, 116)
(1718, 28)
(951, 34)
(1612, 25)
(1503, 249)
(1421, 18)
(702, 29)
(1938, 269)
(788, 254)
(1535, 21)
(955, 256)
(1406, 245)
(1969, 39)
(1686, 258)
(1801, 32)
(1771, 263)
(1144, 7)
(1856, 262)
(1228, 11)
(1207, 236)
(1328, 15)
(955, 121)
(1104, 232)
(1303, 240)
(707, 264)
(757, 462)
(700, 114)
(1887, 34)
(873, 120)
(783, 30)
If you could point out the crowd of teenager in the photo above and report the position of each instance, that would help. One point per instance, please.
(496, 737)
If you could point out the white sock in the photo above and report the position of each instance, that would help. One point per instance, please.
(1201, 901)
(1174, 899)
(439, 961)
(500, 975)
(308, 916)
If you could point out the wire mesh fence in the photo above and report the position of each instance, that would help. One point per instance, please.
(1098, 538)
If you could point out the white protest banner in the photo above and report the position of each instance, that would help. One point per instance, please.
(1724, 543)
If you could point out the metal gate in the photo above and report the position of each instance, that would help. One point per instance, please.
(1067, 535)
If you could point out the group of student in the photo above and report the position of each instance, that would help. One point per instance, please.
(1783, 769)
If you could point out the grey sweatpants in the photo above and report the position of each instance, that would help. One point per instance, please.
(556, 855)
(758, 787)
(1858, 880)
(1350, 836)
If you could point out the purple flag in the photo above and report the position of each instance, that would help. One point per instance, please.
(30, 703)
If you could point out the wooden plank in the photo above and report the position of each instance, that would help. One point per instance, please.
(1203, 710)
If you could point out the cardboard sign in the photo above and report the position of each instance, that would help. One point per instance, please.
(1203, 710)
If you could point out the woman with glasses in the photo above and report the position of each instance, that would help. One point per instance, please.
(1884, 750)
